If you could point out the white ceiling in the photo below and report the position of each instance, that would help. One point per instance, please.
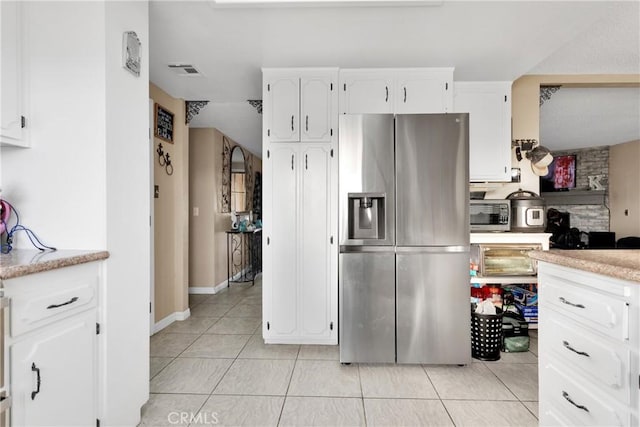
(482, 40)
(590, 117)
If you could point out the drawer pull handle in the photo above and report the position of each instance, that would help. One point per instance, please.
(568, 398)
(568, 347)
(71, 301)
(37, 371)
(564, 301)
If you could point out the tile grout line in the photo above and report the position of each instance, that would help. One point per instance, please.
(438, 394)
(364, 409)
(286, 393)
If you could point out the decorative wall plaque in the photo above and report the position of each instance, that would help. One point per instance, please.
(131, 52)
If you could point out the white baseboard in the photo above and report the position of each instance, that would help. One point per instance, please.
(215, 288)
(184, 315)
(208, 289)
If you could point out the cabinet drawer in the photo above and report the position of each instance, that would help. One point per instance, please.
(579, 404)
(43, 298)
(606, 362)
(601, 312)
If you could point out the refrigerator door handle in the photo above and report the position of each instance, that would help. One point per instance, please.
(361, 248)
(432, 249)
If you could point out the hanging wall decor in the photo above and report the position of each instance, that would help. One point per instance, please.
(192, 109)
(225, 200)
(163, 127)
(131, 52)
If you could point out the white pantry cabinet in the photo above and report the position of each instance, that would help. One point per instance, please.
(401, 91)
(51, 338)
(489, 108)
(589, 338)
(12, 115)
(299, 246)
(300, 105)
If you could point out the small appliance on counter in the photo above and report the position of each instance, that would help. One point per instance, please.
(490, 215)
(527, 212)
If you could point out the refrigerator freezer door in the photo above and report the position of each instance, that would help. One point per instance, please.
(433, 306)
(367, 176)
(367, 315)
(432, 187)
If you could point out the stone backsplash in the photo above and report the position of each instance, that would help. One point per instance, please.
(589, 161)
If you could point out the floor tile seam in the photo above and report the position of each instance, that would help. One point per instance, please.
(192, 342)
(286, 393)
(163, 368)
(502, 382)
(431, 381)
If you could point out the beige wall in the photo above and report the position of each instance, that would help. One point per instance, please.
(525, 111)
(624, 188)
(171, 228)
(207, 237)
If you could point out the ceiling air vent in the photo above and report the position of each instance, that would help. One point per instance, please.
(185, 69)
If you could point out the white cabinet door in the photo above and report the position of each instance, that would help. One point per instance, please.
(424, 92)
(53, 375)
(364, 92)
(315, 251)
(282, 109)
(489, 108)
(11, 90)
(316, 109)
(280, 251)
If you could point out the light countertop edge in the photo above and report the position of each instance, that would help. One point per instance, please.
(622, 264)
(21, 262)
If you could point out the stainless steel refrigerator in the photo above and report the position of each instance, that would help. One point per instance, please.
(404, 239)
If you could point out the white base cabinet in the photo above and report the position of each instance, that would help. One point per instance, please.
(51, 339)
(299, 244)
(401, 91)
(53, 375)
(589, 363)
(489, 108)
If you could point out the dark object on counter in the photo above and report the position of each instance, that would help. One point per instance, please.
(527, 211)
(628, 243)
(486, 336)
(601, 240)
(562, 235)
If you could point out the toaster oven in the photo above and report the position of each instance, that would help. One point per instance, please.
(505, 259)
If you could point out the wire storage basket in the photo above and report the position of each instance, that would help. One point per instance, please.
(486, 336)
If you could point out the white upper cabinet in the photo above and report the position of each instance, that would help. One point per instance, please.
(300, 105)
(12, 120)
(489, 108)
(424, 91)
(316, 107)
(366, 91)
(414, 90)
(283, 105)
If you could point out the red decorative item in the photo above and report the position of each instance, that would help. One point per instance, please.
(5, 212)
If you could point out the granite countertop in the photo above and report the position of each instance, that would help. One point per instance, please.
(619, 263)
(20, 262)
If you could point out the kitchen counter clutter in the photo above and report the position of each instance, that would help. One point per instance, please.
(619, 263)
(21, 262)
(589, 322)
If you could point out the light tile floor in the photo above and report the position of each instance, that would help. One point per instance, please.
(214, 369)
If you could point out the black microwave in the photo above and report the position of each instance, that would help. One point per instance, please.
(490, 215)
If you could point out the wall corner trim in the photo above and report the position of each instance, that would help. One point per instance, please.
(178, 315)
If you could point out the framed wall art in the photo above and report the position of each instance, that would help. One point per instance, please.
(163, 126)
